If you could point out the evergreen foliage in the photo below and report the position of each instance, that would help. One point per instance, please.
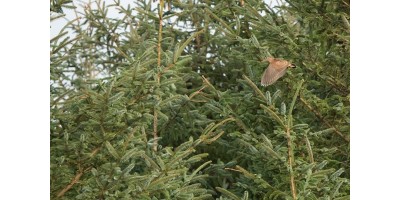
(165, 101)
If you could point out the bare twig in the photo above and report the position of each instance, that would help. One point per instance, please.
(73, 182)
(155, 121)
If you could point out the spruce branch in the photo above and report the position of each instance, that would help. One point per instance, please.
(191, 96)
(258, 180)
(274, 115)
(310, 152)
(323, 120)
(255, 88)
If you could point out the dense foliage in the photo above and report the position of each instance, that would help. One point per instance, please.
(164, 101)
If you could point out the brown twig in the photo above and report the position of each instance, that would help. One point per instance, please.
(94, 152)
(155, 116)
(197, 92)
(78, 175)
(73, 182)
(155, 122)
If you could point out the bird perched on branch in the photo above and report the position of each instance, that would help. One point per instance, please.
(276, 69)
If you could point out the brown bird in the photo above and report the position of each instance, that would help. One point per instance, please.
(276, 69)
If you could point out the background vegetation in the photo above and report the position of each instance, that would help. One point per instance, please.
(165, 102)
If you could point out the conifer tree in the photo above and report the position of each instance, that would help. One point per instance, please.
(165, 101)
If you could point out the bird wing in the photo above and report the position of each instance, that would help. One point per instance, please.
(273, 73)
